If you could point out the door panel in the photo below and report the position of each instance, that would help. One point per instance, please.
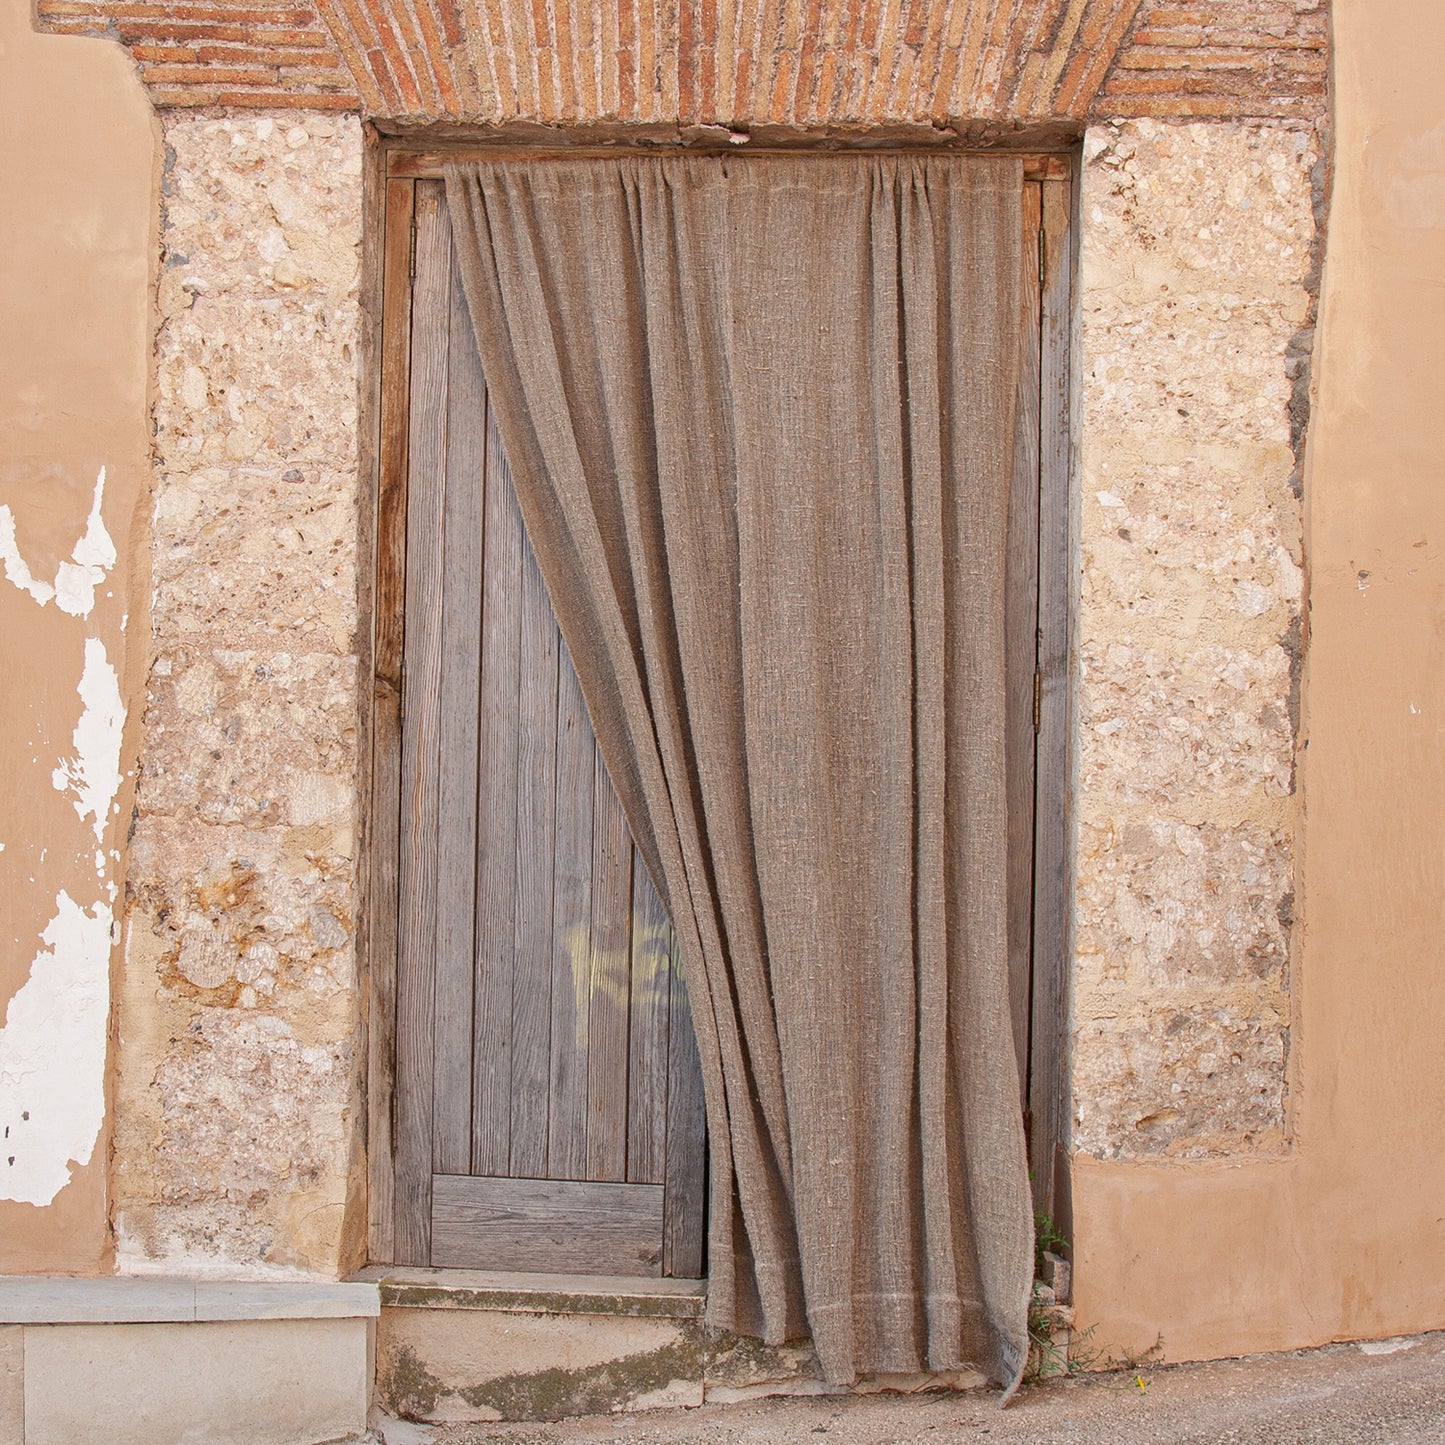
(548, 1088)
(549, 1225)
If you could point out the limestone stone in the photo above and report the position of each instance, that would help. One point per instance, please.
(121, 1299)
(239, 1088)
(12, 1385)
(1196, 310)
(272, 1382)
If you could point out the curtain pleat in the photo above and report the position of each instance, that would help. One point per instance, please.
(759, 413)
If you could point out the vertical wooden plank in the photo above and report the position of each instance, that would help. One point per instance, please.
(1048, 1080)
(421, 719)
(1021, 642)
(647, 1072)
(611, 984)
(497, 818)
(683, 1206)
(532, 928)
(387, 637)
(571, 929)
(395, 430)
(457, 806)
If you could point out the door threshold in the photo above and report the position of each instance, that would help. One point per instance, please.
(627, 1296)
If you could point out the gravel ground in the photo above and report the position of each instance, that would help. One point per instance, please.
(1392, 1393)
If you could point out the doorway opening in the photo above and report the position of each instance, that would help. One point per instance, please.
(535, 1094)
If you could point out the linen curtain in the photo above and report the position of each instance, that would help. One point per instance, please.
(759, 414)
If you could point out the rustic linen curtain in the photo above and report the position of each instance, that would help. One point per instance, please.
(759, 413)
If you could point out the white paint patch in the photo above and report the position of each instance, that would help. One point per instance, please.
(52, 1056)
(75, 580)
(1386, 1347)
(93, 557)
(53, 1040)
(93, 773)
(16, 567)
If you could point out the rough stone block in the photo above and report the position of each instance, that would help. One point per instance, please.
(1160, 724)
(238, 1094)
(282, 1382)
(1195, 309)
(1182, 1015)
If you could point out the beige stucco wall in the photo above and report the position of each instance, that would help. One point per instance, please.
(1341, 1235)
(78, 171)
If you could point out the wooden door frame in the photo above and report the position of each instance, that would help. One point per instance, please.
(393, 164)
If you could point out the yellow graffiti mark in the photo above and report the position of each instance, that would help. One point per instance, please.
(643, 976)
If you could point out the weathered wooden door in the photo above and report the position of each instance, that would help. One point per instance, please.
(548, 1094)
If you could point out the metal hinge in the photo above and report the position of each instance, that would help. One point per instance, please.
(1043, 256)
(411, 253)
(1038, 698)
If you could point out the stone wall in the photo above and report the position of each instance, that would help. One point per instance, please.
(238, 1099)
(1197, 256)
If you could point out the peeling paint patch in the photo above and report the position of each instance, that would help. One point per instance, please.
(17, 570)
(73, 590)
(93, 773)
(52, 1056)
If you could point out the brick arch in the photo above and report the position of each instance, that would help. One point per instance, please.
(725, 62)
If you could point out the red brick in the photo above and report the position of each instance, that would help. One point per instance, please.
(141, 31)
(309, 78)
(707, 93)
(686, 61)
(397, 59)
(824, 99)
(159, 9)
(547, 84)
(626, 88)
(177, 53)
(1200, 58)
(742, 81)
(570, 103)
(451, 20)
(782, 77)
(1170, 35)
(255, 55)
(183, 97)
(413, 58)
(1165, 17)
(1302, 62)
(279, 99)
(1252, 39)
(807, 73)
(1143, 82)
(943, 86)
(1165, 107)
(210, 74)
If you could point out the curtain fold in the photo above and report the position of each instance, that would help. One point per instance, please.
(759, 413)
